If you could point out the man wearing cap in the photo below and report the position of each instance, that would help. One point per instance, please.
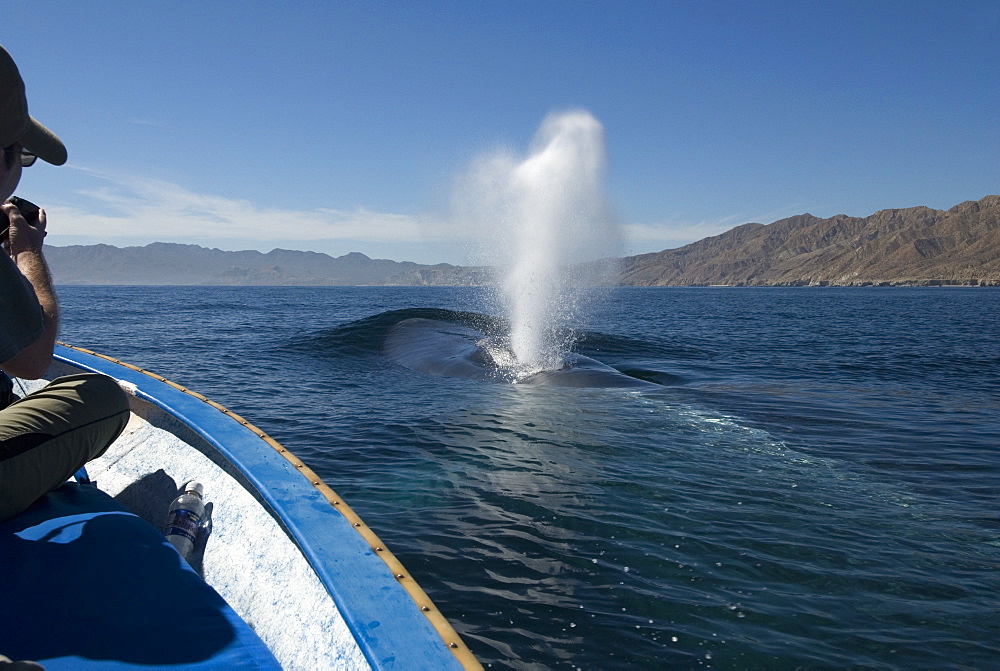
(46, 436)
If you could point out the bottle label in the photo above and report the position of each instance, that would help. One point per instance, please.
(182, 522)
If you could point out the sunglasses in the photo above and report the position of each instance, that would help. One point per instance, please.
(27, 158)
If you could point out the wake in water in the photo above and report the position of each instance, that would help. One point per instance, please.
(545, 223)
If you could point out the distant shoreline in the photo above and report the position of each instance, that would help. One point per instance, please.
(917, 246)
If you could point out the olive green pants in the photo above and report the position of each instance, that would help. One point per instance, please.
(47, 436)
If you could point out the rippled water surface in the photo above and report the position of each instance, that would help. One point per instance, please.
(812, 481)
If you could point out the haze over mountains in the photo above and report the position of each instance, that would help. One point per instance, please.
(915, 246)
(169, 263)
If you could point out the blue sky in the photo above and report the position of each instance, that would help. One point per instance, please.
(343, 126)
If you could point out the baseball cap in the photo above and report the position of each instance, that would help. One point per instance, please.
(16, 125)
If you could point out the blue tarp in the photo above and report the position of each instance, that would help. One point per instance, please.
(86, 584)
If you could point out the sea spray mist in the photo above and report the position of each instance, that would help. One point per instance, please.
(544, 223)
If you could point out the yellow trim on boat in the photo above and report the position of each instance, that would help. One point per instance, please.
(444, 629)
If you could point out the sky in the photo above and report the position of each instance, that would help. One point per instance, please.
(345, 127)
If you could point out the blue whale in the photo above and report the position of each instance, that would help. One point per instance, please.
(449, 348)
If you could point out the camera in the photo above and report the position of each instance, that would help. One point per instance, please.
(28, 210)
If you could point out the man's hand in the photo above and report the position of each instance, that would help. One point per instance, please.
(22, 236)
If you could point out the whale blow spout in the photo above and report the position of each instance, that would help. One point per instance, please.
(546, 221)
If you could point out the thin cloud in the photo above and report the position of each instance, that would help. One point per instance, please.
(116, 209)
(153, 123)
(645, 237)
(675, 234)
(130, 207)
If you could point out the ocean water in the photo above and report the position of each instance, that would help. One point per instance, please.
(811, 481)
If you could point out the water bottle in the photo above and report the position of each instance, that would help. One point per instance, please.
(184, 518)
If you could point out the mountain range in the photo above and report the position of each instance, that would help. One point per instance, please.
(913, 246)
(176, 264)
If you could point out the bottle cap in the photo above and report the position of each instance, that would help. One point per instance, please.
(194, 487)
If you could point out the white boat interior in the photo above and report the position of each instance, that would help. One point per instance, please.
(290, 558)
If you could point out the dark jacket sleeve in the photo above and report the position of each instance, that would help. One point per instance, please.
(21, 321)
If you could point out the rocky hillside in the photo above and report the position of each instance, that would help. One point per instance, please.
(914, 246)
